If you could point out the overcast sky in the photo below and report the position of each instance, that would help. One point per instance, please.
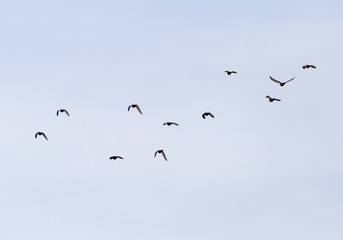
(258, 170)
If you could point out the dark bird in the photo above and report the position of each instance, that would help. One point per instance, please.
(161, 151)
(204, 115)
(41, 133)
(115, 157)
(62, 110)
(135, 106)
(170, 123)
(309, 66)
(230, 72)
(281, 83)
(273, 99)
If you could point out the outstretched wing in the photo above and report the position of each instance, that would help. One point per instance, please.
(67, 113)
(44, 136)
(233, 72)
(155, 154)
(175, 124)
(273, 79)
(36, 135)
(120, 157)
(289, 80)
(276, 99)
(57, 112)
(129, 108)
(312, 66)
(139, 110)
(204, 116)
(164, 155)
(211, 115)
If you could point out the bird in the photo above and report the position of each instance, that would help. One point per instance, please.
(171, 123)
(273, 99)
(161, 151)
(204, 115)
(62, 110)
(135, 106)
(281, 83)
(41, 133)
(309, 66)
(230, 72)
(115, 157)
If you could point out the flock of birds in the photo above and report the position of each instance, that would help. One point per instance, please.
(204, 115)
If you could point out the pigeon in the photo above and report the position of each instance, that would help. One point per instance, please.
(309, 66)
(281, 83)
(273, 99)
(161, 151)
(62, 110)
(230, 72)
(135, 106)
(204, 115)
(171, 123)
(41, 133)
(115, 157)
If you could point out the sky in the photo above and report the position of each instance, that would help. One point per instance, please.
(258, 170)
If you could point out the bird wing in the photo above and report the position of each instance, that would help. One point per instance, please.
(155, 154)
(233, 72)
(165, 123)
(129, 108)
(57, 112)
(276, 99)
(113, 158)
(204, 116)
(44, 136)
(273, 79)
(312, 66)
(67, 113)
(120, 157)
(139, 110)
(36, 135)
(164, 155)
(211, 115)
(289, 80)
(175, 123)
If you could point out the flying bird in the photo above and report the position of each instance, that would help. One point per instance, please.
(135, 106)
(281, 83)
(41, 133)
(115, 157)
(273, 99)
(171, 123)
(204, 115)
(161, 151)
(309, 66)
(230, 72)
(62, 110)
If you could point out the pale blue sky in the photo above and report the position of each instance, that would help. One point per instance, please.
(258, 170)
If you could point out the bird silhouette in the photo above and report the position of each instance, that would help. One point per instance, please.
(273, 99)
(281, 83)
(62, 110)
(163, 154)
(135, 106)
(309, 66)
(115, 157)
(230, 72)
(204, 115)
(171, 123)
(41, 133)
